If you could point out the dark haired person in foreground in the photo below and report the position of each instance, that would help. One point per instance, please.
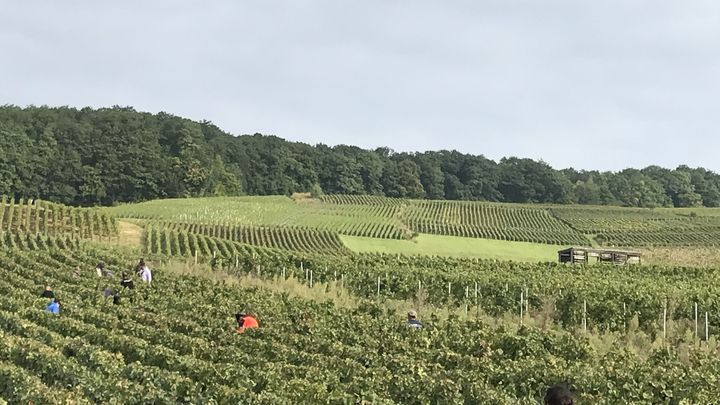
(558, 395)
(245, 321)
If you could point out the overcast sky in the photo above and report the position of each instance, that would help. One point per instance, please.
(589, 84)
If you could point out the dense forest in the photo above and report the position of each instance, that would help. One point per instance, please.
(110, 155)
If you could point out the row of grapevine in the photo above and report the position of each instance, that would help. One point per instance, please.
(468, 219)
(361, 199)
(37, 216)
(492, 221)
(152, 350)
(295, 239)
(29, 241)
(642, 227)
(170, 242)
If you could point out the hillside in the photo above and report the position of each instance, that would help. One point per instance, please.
(447, 228)
(111, 155)
(332, 321)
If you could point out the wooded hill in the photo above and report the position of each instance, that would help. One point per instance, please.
(110, 155)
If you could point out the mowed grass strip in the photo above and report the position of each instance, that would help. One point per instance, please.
(454, 246)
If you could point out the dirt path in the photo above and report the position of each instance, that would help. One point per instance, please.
(130, 234)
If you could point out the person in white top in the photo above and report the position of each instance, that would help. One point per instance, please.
(146, 274)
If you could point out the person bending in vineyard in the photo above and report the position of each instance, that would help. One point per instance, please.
(48, 292)
(126, 282)
(53, 307)
(245, 321)
(412, 321)
(144, 272)
(102, 271)
(558, 395)
(139, 267)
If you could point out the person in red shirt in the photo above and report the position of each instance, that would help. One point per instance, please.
(245, 321)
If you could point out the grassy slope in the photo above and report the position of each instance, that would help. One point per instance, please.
(456, 247)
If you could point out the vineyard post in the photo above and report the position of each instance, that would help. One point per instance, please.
(449, 290)
(521, 307)
(214, 253)
(419, 286)
(584, 317)
(196, 254)
(624, 317)
(696, 321)
(527, 302)
(342, 281)
(665, 321)
(467, 292)
(378, 286)
(283, 272)
(311, 278)
(707, 335)
(237, 262)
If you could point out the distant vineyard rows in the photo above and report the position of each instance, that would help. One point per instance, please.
(294, 239)
(37, 216)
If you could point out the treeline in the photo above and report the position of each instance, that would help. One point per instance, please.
(110, 155)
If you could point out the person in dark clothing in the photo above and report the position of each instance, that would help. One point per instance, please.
(126, 282)
(558, 395)
(48, 292)
(412, 321)
(108, 292)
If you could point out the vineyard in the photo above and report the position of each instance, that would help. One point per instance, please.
(299, 240)
(642, 227)
(359, 220)
(491, 221)
(151, 349)
(515, 328)
(310, 225)
(36, 216)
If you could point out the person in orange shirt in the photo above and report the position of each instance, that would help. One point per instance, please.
(245, 321)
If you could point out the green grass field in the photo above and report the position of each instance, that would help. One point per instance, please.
(454, 246)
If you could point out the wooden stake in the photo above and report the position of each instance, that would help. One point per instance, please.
(707, 328)
(584, 319)
(624, 317)
(521, 308)
(696, 321)
(311, 278)
(665, 321)
(378, 286)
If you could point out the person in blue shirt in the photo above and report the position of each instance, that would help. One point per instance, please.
(53, 306)
(412, 321)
